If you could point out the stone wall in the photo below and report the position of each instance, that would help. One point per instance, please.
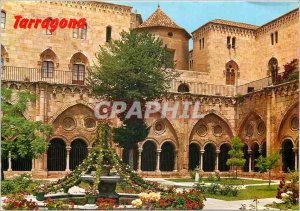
(253, 48)
(70, 108)
(35, 41)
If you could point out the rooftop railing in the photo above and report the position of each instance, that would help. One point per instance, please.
(11, 73)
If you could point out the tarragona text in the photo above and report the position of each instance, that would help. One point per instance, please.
(48, 23)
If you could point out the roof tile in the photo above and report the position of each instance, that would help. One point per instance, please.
(159, 18)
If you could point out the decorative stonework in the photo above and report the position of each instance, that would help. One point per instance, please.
(249, 130)
(283, 20)
(69, 123)
(217, 130)
(294, 123)
(159, 127)
(90, 123)
(261, 128)
(91, 5)
(202, 130)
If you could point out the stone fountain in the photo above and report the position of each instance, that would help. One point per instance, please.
(107, 185)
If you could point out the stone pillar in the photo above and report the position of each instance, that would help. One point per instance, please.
(32, 164)
(175, 160)
(250, 160)
(217, 160)
(121, 153)
(201, 160)
(296, 158)
(139, 167)
(9, 161)
(41, 101)
(281, 160)
(158, 160)
(68, 148)
(89, 149)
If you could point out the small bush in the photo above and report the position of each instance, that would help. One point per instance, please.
(211, 178)
(192, 174)
(186, 200)
(217, 189)
(21, 183)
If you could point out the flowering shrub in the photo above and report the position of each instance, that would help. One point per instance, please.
(213, 188)
(290, 72)
(19, 183)
(289, 193)
(137, 203)
(18, 202)
(58, 205)
(186, 200)
(91, 191)
(106, 204)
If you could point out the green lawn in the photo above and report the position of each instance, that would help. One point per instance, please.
(283, 206)
(228, 181)
(250, 192)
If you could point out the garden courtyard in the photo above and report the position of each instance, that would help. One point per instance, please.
(212, 193)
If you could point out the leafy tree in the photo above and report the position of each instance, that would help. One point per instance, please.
(136, 67)
(22, 137)
(236, 154)
(267, 164)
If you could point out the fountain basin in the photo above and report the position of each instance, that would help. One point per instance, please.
(106, 187)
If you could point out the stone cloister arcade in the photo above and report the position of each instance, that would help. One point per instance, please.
(173, 146)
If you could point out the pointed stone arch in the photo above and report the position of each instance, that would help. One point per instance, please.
(252, 128)
(64, 108)
(211, 128)
(210, 112)
(49, 54)
(284, 127)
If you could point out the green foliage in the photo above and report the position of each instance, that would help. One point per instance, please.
(132, 131)
(135, 67)
(58, 205)
(236, 153)
(269, 163)
(217, 189)
(21, 183)
(293, 177)
(24, 138)
(192, 174)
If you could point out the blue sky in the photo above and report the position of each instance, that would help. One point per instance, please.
(190, 14)
(193, 14)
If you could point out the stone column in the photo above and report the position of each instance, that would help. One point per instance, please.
(33, 164)
(158, 160)
(42, 99)
(175, 160)
(250, 160)
(296, 158)
(201, 160)
(68, 148)
(139, 167)
(281, 160)
(217, 160)
(9, 161)
(89, 149)
(121, 153)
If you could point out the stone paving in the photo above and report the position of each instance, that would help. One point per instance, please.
(216, 204)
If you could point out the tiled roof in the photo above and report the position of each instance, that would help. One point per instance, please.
(232, 23)
(159, 18)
